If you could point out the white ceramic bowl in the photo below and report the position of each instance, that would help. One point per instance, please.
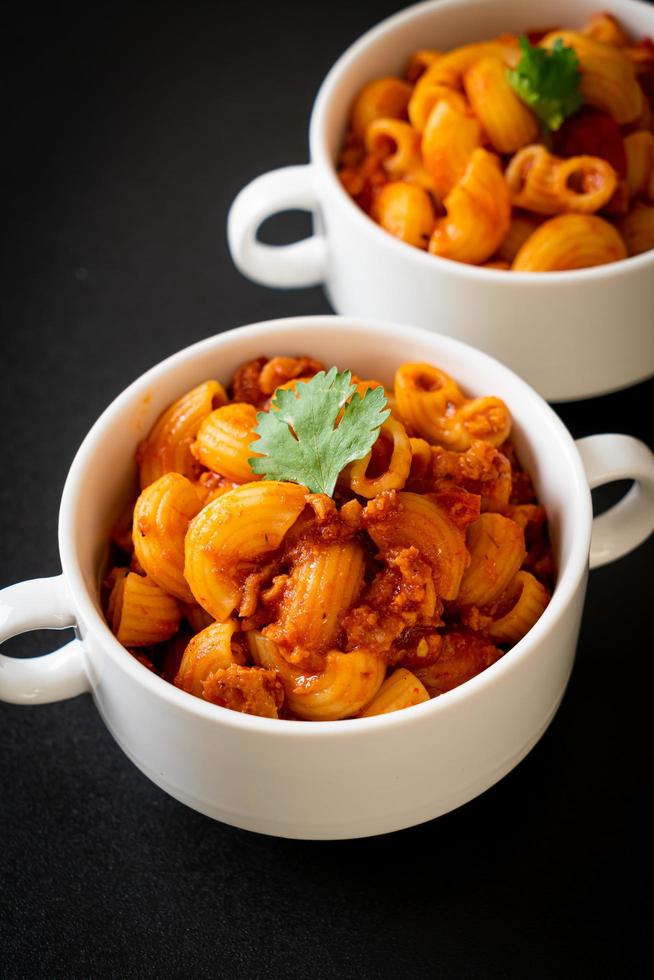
(330, 779)
(569, 334)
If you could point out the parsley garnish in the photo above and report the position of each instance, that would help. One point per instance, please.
(299, 439)
(548, 82)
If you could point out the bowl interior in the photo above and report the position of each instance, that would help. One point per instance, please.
(103, 476)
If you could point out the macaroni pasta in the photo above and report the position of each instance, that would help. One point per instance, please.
(454, 160)
(428, 562)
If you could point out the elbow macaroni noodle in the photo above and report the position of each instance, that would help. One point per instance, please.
(258, 596)
(478, 213)
(162, 515)
(230, 534)
(571, 241)
(639, 148)
(540, 182)
(405, 210)
(637, 229)
(168, 447)
(385, 98)
(507, 121)
(451, 160)
(206, 652)
(608, 78)
(223, 441)
(401, 689)
(450, 136)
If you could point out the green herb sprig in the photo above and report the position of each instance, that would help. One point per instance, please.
(299, 438)
(548, 82)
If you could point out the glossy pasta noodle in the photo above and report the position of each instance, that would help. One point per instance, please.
(430, 560)
(451, 159)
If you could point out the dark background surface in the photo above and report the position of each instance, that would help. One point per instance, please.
(129, 132)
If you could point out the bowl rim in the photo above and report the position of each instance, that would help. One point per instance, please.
(568, 581)
(321, 158)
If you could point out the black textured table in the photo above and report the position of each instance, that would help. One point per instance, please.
(130, 132)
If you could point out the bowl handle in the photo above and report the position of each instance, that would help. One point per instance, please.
(288, 266)
(43, 603)
(624, 526)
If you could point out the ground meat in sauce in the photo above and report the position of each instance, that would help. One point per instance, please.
(214, 485)
(391, 606)
(322, 523)
(481, 470)
(522, 488)
(280, 370)
(252, 690)
(463, 655)
(245, 383)
(459, 506)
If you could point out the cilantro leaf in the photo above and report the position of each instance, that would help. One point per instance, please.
(548, 82)
(299, 439)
